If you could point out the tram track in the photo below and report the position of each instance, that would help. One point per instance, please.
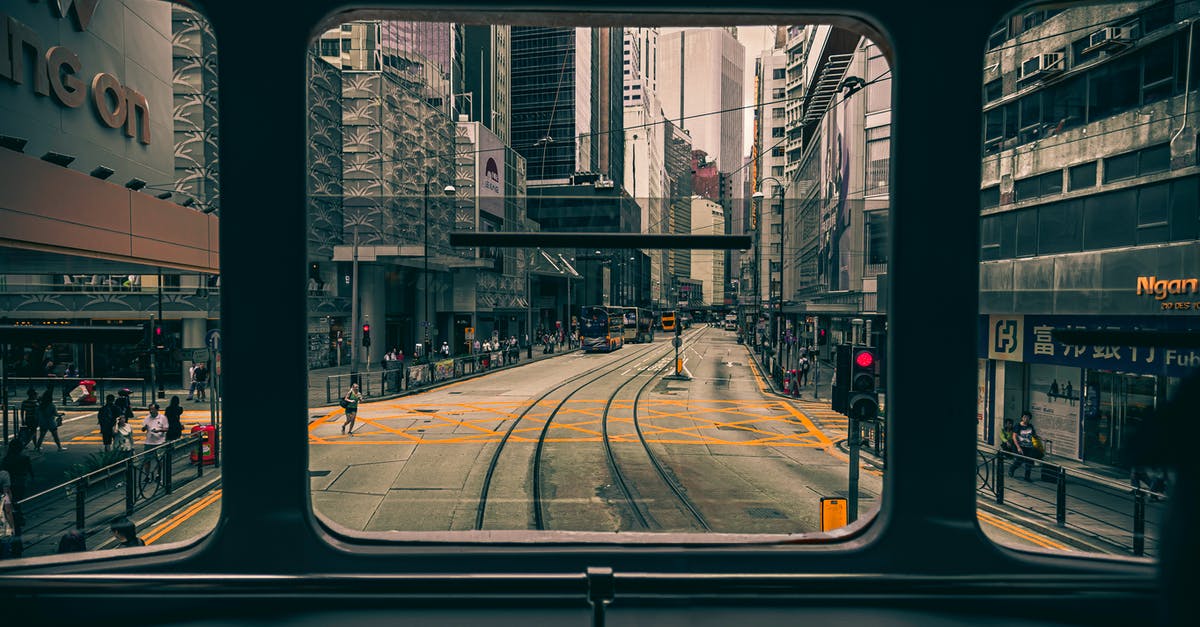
(591, 377)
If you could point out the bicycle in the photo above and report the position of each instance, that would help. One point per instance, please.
(150, 478)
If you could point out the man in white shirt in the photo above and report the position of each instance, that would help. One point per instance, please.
(155, 426)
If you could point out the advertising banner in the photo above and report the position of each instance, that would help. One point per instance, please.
(1054, 393)
(489, 172)
(1041, 348)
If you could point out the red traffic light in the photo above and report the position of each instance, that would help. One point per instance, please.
(366, 328)
(864, 359)
(158, 330)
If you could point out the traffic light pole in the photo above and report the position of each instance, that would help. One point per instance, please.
(852, 488)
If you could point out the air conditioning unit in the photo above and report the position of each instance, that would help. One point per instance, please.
(1040, 66)
(1108, 38)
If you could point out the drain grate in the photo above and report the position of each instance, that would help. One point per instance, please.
(764, 513)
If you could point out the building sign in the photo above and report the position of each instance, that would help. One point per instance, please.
(1163, 289)
(1005, 338)
(56, 73)
(1035, 342)
(489, 172)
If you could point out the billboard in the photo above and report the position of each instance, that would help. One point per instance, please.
(489, 172)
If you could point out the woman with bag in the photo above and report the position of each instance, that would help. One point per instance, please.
(350, 404)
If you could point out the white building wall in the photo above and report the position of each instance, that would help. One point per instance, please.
(700, 72)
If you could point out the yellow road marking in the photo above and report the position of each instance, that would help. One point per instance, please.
(1020, 532)
(178, 519)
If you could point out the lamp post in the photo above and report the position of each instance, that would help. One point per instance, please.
(777, 331)
(448, 191)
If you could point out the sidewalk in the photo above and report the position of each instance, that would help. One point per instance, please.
(318, 376)
(820, 379)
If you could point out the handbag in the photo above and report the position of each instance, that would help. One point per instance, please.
(345, 404)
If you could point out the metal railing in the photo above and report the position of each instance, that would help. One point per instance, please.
(1114, 512)
(416, 376)
(17, 387)
(92, 501)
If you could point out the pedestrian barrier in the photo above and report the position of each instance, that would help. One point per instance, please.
(90, 502)
(1124, 516)
(412, 377)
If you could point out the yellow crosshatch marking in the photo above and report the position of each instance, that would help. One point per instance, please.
(751, 422)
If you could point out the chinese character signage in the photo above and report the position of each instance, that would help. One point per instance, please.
(1159, 360)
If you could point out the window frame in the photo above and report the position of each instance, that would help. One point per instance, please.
(890, 547)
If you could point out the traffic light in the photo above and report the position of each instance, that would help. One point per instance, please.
(821, 339)
(842, 376)
(863, 399)
(366, 335)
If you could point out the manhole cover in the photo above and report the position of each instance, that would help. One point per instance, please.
(764, 512)
(427, 410)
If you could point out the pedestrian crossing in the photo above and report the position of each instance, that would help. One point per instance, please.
(822, 414)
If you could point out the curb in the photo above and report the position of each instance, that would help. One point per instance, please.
(166, 511)
(1052, 531)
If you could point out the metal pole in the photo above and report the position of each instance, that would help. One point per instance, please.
(157, 352)
(353, 312)
(4, 391)
(852, 493)
(425, 203)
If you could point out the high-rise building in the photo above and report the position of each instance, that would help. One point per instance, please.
(487, 59)
(700, 87)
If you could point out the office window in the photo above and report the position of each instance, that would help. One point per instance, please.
(989, 197)
(1060, 227)
(1153, 210)
(879, 87)
(876, 237)
(1154, 159)
(776, 170)
(778, 93)
(1120, 167)
(777, 151)
(1026, 228)
(778, 113)
(992, 90)
(878, 159)
(779, 73)
(1185, 208)
(989, 238)
(330, 48)
(1082, 176)
(1110, 220)
(777, 131)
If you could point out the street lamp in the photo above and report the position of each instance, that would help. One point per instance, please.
(777, 332)
(448, 191)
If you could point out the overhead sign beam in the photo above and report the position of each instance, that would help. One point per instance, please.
(499, 239)
(83, 334)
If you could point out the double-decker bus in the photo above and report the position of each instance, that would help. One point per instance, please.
(601, 329)
(645, 325)
(730, 322)
(630, 324)
(668, 321)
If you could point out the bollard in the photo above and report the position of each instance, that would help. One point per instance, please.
(1060, 513)
(80, 501)
(129, 492)
(165, 461)
(999, 478)
(1139, 523)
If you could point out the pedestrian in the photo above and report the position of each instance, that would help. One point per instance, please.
(201, 382)
(796, 383)
(445, 349)
(1023, 441)
(155, 425)
(1006, 436)
(124, 435)
(174, 415)
(10, 539)
(107, 417)
(20, 470)
(787, 379)
(192, 381)
(29, 418)
(804, 366)
(350, 404)
(48, 420)
(1070, 394)
(124, 404)
(125, 533)
(72, 541)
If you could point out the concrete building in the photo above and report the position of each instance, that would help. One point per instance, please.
(108, 212)
(708, 266)
(678, 161)
(1089, 200)
(770, 125)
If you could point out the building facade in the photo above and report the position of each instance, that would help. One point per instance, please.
(1089, 220)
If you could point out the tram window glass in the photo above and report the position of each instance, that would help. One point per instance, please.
(468, 363)
(109, 263)
(1072, 258)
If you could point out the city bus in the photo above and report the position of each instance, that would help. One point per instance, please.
(630, 324)
(645, 325)
(668, 321)
(601, 329)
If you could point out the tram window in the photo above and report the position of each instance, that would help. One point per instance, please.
(402, 155)
(110, 207)
(1077, 263)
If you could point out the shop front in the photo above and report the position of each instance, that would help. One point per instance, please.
(1088, 402)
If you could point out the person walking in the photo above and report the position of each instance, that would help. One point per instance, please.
(1022, 438)
(20, 470)
(124, 435)
(10, 539)
(107, 417)
(192, 381)
(174, 415)
(29, 418)
(804, 366)
(350, 404)
(48, 420)
(201, 376)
